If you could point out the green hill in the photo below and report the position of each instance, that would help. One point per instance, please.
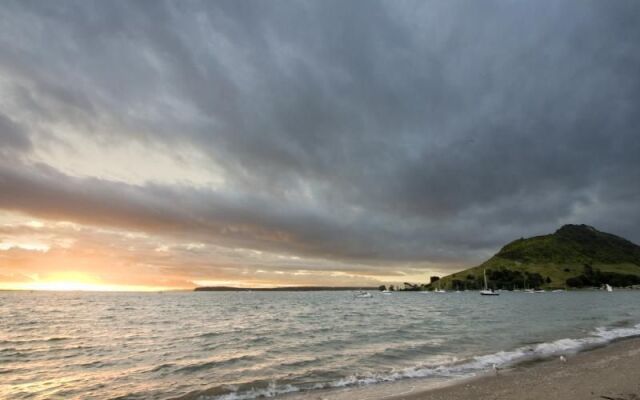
(573, 256)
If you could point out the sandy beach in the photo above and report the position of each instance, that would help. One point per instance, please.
(611, 372)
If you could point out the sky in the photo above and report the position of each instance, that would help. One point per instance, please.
(164, 145)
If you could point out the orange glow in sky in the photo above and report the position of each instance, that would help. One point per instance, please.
(62, 256)
(76, 281)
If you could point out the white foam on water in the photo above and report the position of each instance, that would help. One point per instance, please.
(271, 390)
(479, 364)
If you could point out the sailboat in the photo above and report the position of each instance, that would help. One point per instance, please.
(527, 290)
(608, 287)
(487, 291)
(361, 294)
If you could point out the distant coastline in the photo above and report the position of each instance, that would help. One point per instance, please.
(281, 289)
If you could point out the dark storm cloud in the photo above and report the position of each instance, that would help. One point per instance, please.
(231, 219)
(359, 130)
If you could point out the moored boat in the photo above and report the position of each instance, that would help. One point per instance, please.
(486, 291)
(361, 294)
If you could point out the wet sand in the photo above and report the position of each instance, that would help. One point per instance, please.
(610, 373)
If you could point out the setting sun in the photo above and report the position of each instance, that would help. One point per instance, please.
(77, 281)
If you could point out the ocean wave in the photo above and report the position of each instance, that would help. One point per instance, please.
(238, 392)
(206, 335)
(162, 367)
(215, 363)
(456, 369)
(301, 363)
(35, 340)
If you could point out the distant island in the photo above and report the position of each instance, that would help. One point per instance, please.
(575, 256)
(280, 289)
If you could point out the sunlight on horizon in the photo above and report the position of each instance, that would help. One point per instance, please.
(77, 281)
(67, 286)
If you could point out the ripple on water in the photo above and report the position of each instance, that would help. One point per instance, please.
(148, 346)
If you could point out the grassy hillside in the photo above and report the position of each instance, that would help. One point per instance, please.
(553, 259)
(573, 244)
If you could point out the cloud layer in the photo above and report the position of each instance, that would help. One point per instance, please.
(366, 138)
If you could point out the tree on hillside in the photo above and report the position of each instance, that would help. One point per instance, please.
(458, 284)
(411, 286)
(595, 278)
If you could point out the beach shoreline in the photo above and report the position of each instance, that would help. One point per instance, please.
(607, 372)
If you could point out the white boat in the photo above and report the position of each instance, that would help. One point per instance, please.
(529, 291)
(362, 295)
(438, 290)
(486, 291)
(386, 291)
(540, 291)
(558, 290)
(608, 287)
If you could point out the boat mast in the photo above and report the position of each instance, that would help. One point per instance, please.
(484, 271)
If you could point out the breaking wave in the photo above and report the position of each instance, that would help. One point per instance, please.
(457, 369)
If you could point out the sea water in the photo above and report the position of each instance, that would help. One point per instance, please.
(245, 345)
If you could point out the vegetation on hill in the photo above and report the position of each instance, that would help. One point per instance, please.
(573, 244)
(573, 256)
(594, 277)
